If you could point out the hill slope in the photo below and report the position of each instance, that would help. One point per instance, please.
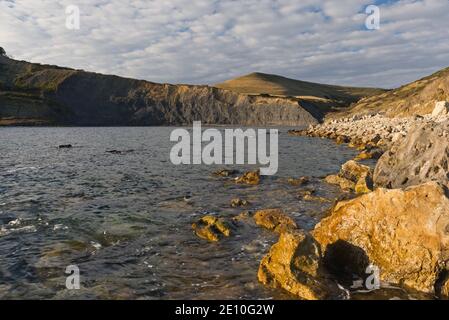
(416, 98)
(34, 94)
(261, 83)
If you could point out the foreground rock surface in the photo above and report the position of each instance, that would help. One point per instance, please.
(294, 264)
(404, 232)
(423, 155)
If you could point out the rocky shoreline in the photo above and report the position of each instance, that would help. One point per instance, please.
(395, 218)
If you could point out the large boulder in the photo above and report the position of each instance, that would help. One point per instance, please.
(294, 264)
(403, 232)
(423, 155)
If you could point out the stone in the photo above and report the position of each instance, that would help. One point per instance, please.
(298, 182)
(274, 219)
(250, 178)
(403, 232)
(372, 154)
(422, 156)
(343, 183)
(225, 173)
(237, 202)
(294, 264)
(353, 176)
(441, 109)
(211, 228)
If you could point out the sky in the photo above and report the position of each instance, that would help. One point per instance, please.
(208, 41)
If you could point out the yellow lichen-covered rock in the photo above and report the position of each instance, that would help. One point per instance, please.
(211, 228)
(353, 176)
(343, 183)
(372, 154)
(403, 232)
(274, 219)
(294, 264)
(250, 177)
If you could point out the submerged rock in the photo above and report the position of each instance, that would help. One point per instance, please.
(250, 177)
(294, 264)
(299, 181)
(237, 202)
(403, 232)
(211, 228)
(225, 173)
(274, 219)
(423, 155)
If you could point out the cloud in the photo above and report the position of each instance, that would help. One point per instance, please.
(207, 41)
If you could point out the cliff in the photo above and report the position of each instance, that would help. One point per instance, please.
(34, 94)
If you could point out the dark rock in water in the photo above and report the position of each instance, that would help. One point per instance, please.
(119, 151)
(225, 173)
(298, 182)
(237, 202)
(65, 146)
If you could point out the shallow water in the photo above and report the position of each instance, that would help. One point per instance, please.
(125, 219)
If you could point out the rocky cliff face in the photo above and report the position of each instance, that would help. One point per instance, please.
(416, 98)
(40, 94)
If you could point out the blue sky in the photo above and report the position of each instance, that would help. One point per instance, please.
(205, 41)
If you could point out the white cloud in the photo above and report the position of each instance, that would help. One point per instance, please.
(205, 41)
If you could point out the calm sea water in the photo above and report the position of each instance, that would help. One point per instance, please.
(125, 219)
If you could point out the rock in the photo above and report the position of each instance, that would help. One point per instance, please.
(345, 184)
(342, 139)
(225, 173)
(298, 182)
(403, 232)
(65, 146)
(423, 155)
(243, 216)
(294, 264)
(353, 176)
(372, 154)
(274, 219)
(251, 178)
(237, 202)
(353, 171)
(119, 151)
(310, 197)
(364, 184)
(441, 109)
(211, 228)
